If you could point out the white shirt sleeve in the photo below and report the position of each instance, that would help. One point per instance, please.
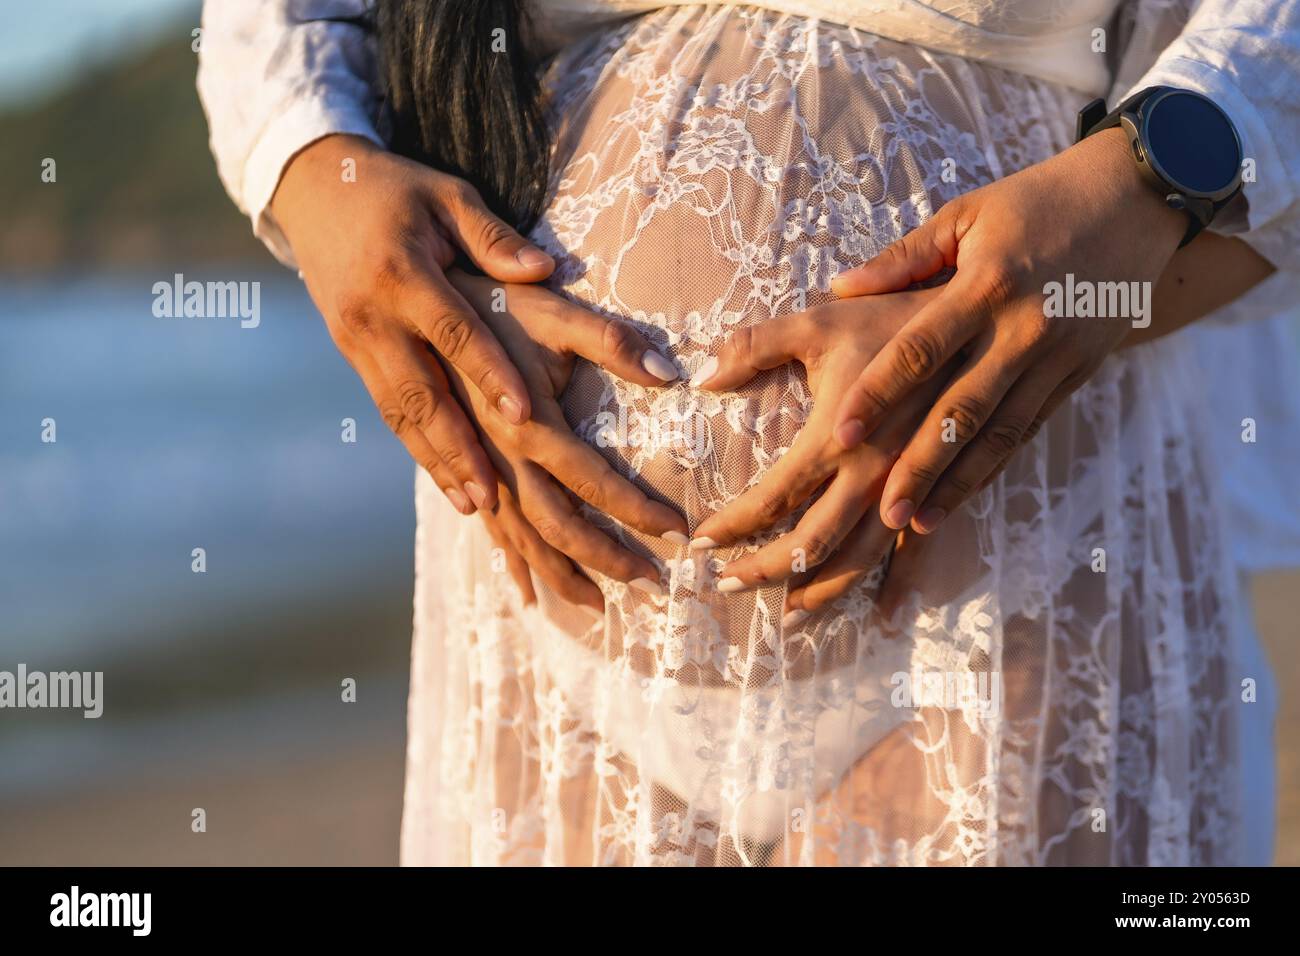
(274, 77)
(1245, 55)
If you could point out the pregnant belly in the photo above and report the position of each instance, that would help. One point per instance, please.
(713, 169)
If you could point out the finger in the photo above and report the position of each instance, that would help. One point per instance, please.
(515, 562)
(802, 470)
(431, 306)
(788, 484)
(490, 242)
(1003, 433)
(750, 350)
(813, 540)
(863, 552)
(569, 328)
(957, 417)
(412, 439)
(1054, 401)
(551, 567)
(562, 526)
(613, 345)
(420, 397)
(922, 346)
(920, 254)
(585, 472)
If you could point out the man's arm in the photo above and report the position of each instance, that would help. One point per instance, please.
(275, 76)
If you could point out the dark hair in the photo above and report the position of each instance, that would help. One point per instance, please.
(465, 96)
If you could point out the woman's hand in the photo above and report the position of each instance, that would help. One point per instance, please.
(526, 553)
(539, 459)
(373, 250)
(839, 538)
(1085, 213)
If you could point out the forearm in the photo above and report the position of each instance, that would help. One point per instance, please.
(1206, 274)
(1203, 276)
(273, 77)
(312, 175)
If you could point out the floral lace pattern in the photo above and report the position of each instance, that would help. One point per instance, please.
(1070, 689)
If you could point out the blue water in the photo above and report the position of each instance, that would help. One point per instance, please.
(175, 434)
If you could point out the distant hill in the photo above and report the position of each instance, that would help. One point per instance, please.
(136, 185)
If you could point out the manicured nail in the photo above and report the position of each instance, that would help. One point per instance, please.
(650, 587)
(704, 372)
(731, 585)
(929, 519)
(512, 410)
(476, 494)
(458, 501)
(851, 433)
(703, 544)
(677, 538)
(900, 514)
(658, 366)
(533, 258)
(794, 618)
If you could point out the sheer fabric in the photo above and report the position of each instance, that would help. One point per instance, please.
(1067, 638)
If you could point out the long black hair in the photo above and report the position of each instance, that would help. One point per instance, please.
(465, 96)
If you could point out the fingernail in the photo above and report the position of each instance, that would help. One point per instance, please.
(476, 493)
(703, 544)
(731, 585)
(533, 258)
(512, 410)
(458, 501)
(929, 519)
(898, 516)
(650, 587)
(704, 372)
(851, 433)
(677, 538)
(794, 618)
(658, 366)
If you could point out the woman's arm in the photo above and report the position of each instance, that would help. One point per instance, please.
(1203, 276)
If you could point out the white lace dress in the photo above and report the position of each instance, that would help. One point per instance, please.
(1069, 635)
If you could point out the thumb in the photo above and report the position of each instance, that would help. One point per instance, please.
(751, 350)
(489, 241)
(927, 249)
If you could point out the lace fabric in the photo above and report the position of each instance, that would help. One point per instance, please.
(1066, 638)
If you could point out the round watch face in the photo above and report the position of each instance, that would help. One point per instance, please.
(1192, 142)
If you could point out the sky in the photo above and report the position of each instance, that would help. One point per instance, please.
(44, 44)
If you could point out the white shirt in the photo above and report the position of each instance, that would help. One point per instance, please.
(275, 75)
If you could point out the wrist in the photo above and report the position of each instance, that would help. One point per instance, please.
(1141, 205)
(316, 165)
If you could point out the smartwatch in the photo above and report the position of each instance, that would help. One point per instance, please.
(1184, 145)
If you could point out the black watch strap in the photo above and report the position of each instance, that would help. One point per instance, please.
(1094, 118)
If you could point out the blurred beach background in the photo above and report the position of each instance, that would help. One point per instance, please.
(222, 689)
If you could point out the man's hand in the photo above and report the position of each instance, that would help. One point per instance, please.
(373, 253)
(1086, 213)
(542, 459)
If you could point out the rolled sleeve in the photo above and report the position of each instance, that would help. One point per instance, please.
(273, 78)
(1245, 55)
